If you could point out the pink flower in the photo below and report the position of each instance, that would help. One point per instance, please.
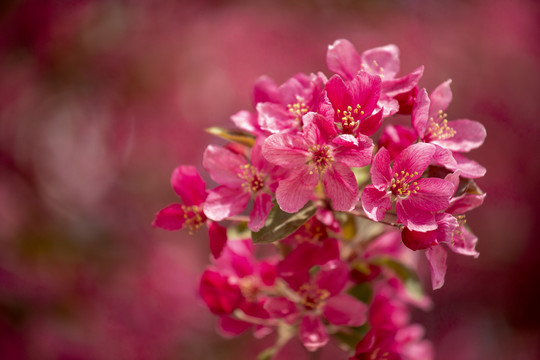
(457, 136)
(240, 181)
(188, 184)
(353, 103)
(287, 104)
(317, 153)
(343, 59)
(395, 138)
(318, 297)
(417, 199)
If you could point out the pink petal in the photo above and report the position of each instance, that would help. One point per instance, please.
(265, 90)
(414, 218)
(381, 173)
(295, 191)
(223, 165)
(259, 213)
(464, 243)
(170, 218)
(464, 203)
(229, 327)
(333, 277)
(358, 155)
(275, 118)
(394, 87)
(440, 98)
(318, 129)
(343, 59)
(414, 159)
(313, 333)
(375, 203)
(469, 168)
(444, 157)
(223, 202)
(382, 60)
(341, 187)
(371, 124)
(286, 150)
(345, 310)
(189, 185)
(244, 120)
(433, 194)
(420, 113)
(221, 297)
(388, 105)
(298, 85)
(416, 240)
(280, 307)
(396, 138)
(217, 235)
(437, 265)
(365, 90)
(469, 135)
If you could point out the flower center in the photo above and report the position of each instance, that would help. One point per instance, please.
(401, 185)
(438, 129)
(312, 296)
(249, 286)
(321, 156)
(193, 217)
(348, 120)
(253, 180)
(298, 109)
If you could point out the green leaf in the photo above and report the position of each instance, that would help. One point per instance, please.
(408, 276)
(240, 137)
(362, 292)
(280, 224)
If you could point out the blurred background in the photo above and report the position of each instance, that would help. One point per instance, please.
(100, 100)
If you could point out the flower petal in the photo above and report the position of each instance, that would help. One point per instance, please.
(375, 203)
(295, 191)
(223, 165)
(170, 217)
(440, 98)
(470, 169)
(464, 243)
(259, 213)
(223, 202)
(274, 118)
(382, 60)
(414, 159)
(344, 309)
(433, 194)
(265, 90)
(381, 173)
(286, 150)
(437, 265)
(313, 333)
(355, 155)
(414, 218)
(217, 235)
(416, 240)
(341, 187)
(343, 59)
(244, 120)
(333, 277)
(420, 113)
(394, 87)
(189, 185)
(371, 124)
(469, 135)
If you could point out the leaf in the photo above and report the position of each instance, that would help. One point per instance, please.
(237, 136)
(408, 276)
(362, 292)
(280, 224)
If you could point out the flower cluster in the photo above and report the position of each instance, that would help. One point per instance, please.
(349, 177)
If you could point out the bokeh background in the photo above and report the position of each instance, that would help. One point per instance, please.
(100, 100)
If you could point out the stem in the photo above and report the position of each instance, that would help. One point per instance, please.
(363, 215)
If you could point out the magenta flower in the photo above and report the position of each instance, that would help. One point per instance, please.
(417, 199)
(240, 181)
(317, 153)
(353, 103)
(395, 138)
(343, 59)
(189, 186)
(463, 135)
(319, 297)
